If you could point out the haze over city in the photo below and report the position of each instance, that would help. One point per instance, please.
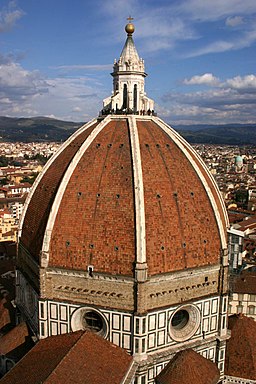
(56, 57)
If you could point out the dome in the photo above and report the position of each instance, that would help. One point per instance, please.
(187, 366)
(241, 348)
(125, 190)
(124, 234)
(239, 160)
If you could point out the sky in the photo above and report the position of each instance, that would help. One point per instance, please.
(56, 57)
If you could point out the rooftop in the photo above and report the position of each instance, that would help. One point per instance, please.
(79, 357)
(188, 366)
(241, 348)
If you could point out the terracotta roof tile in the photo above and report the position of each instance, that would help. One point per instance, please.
(15, 338)
(241, 348)
(245, 282)
(79, 357)
(173, 207)
(101, 192)
(42, 199)
(189, 367)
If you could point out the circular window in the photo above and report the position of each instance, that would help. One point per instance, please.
(184, 323)
(180, 319)
(89, 319)
(92, 321)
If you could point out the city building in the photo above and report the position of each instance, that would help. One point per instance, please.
(243, 293)
(236, 250)
(242, 241)
(8, 226)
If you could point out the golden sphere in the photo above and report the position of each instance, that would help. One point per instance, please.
(129, 28)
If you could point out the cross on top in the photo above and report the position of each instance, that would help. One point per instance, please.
(129, 18)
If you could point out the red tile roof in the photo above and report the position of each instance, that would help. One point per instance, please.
(245, 282)
(249, 223)
(42, 199)
(189, 367)
(180, 222)
(175, 219)
(14, 338)
(75, 358)
(241, 348)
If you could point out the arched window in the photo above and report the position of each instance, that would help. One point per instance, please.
(135, 92)
(125, 97)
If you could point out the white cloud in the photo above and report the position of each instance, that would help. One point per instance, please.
(78, 67)
(121, 9)
(77, 109)
(205, 79)
(160, 31)
(29, 93)
(209, 10)
(156, 28)
(165, 26)
(216, 47)
(244, 40)
(168, 25)
(231, 100)
(9, 15)
(17, 83)
(247, 82)
(234, 21)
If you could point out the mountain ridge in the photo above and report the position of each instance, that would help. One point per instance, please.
(41, 128)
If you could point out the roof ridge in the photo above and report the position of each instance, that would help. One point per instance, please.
(65, 356)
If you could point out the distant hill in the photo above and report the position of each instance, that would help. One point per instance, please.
(48, 129)
(233, 134)
(36, 129)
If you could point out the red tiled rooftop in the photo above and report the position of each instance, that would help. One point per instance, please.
(241, 348)
(14, 338)
(42, 199)
(79, 357)
(189, 367)
(247, 223)
(245, 282)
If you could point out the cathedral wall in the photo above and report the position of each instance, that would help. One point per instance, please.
(147, 373)
(178, 287)
(27, 301)
(118, 292)
(79, 287)
(151, 332)
(150, 337)
(28, 266)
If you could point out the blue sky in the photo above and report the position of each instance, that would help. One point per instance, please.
(56, 57)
